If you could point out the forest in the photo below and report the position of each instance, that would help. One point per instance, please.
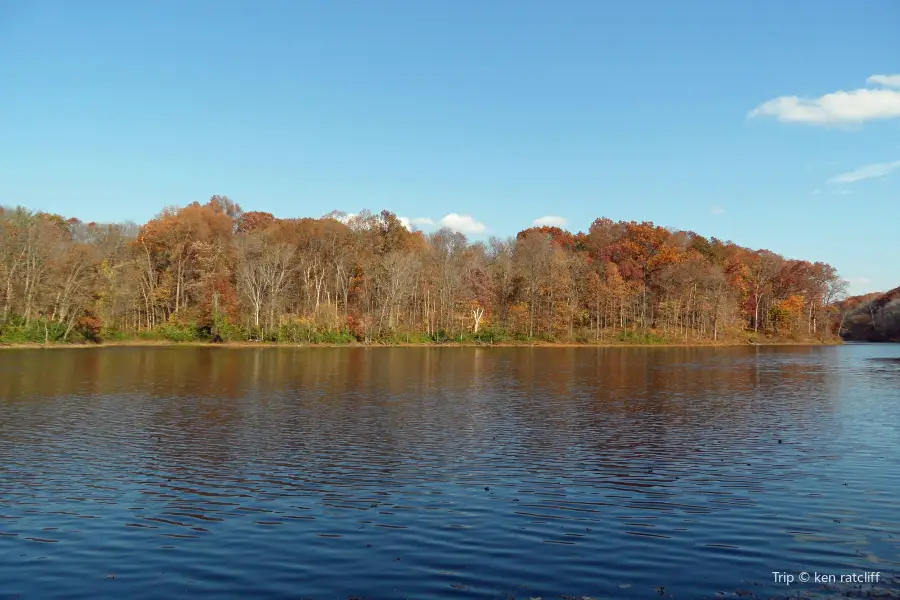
(871, 317)
(213, 272)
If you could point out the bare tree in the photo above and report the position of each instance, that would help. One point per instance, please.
(533, 258)
(395, 278)
(263, 266)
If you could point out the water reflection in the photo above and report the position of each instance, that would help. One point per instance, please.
(443, 471)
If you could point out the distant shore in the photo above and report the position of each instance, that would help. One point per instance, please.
(535, 344)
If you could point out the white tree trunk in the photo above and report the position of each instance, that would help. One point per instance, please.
(477, 314)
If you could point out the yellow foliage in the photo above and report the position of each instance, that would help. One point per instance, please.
(793, 305)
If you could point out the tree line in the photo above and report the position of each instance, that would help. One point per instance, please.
(871, 317)
(213, 271)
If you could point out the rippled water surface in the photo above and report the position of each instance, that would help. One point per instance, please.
(444, 472)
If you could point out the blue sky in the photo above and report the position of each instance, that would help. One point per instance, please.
(486, 115)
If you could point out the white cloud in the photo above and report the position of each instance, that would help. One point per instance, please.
(349, 218)
(417, 221)
(837, 108)
(867, 172)
(718, 210)
(341, 216)
(550, 221)
(864, 280)
(463, 223)
(885, 80)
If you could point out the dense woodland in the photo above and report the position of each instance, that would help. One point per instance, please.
(214, 272)
(871, 318)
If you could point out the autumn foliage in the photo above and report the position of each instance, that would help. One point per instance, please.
(870, 318)
(212, 271)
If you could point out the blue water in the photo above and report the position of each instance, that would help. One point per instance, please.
(446, 472)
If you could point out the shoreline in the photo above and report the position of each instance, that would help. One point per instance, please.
(245, 345)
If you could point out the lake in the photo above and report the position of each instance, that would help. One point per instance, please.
(183, 472)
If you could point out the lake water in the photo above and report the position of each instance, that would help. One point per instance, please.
(445, 472)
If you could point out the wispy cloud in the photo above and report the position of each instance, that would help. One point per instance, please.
(463, 223)
(885, 80)
(866, 172)
(550, 221)
(838, 108)
(718, 210)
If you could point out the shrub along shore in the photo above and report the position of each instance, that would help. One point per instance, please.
(42, 334)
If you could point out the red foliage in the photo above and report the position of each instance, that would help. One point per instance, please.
(90, 327)
(250, 221)
(559, 237)
(356, 326)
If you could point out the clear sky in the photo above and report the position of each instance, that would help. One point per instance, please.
(721, 117)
